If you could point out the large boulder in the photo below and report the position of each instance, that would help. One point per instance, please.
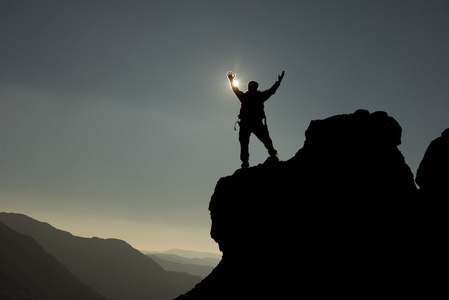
(339, 218)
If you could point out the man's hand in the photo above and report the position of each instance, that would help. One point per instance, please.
(280, 77)
(231, 76)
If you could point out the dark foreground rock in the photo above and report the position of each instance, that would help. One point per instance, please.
(341, 217)
(433, 172)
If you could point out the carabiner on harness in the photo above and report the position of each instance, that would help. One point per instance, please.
(235, 124)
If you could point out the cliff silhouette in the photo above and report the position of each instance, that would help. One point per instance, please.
(342, 217)
(433, 175)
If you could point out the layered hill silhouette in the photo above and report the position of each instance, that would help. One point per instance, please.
(189, 254)
(195, 266)
(110, 266)
(27, 271)
(347, 203)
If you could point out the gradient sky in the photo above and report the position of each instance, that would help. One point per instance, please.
(116, 117)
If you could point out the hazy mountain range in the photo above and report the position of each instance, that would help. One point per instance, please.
(107, 267)
(188, 254)
(27, 271)
(195, 266)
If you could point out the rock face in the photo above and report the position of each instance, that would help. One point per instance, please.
(433, 172)
(339, 218)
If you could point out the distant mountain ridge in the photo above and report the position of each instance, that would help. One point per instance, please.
(187, 253)
(195, 266)
(111, 266)
(207, 261)
(27, 271)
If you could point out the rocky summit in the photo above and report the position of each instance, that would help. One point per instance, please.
(342, 217)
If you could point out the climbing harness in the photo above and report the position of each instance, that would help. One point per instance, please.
(264, 121)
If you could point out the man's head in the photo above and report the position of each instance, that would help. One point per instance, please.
(252, 86)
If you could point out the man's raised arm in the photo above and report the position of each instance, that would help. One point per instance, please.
(231, 77)
(275, 86)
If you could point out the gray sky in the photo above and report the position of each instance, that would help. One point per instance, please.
(116, 117)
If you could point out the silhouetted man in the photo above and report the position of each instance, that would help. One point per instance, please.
(252, 116)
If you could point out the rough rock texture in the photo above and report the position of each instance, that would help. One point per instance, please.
(339, 218)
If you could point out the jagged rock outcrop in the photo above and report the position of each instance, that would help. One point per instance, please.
(433, 172)
(339, 218)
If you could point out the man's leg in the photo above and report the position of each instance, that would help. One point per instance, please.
(244, 135)
(264, 136)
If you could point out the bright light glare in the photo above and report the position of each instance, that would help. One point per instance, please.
(235, 83)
